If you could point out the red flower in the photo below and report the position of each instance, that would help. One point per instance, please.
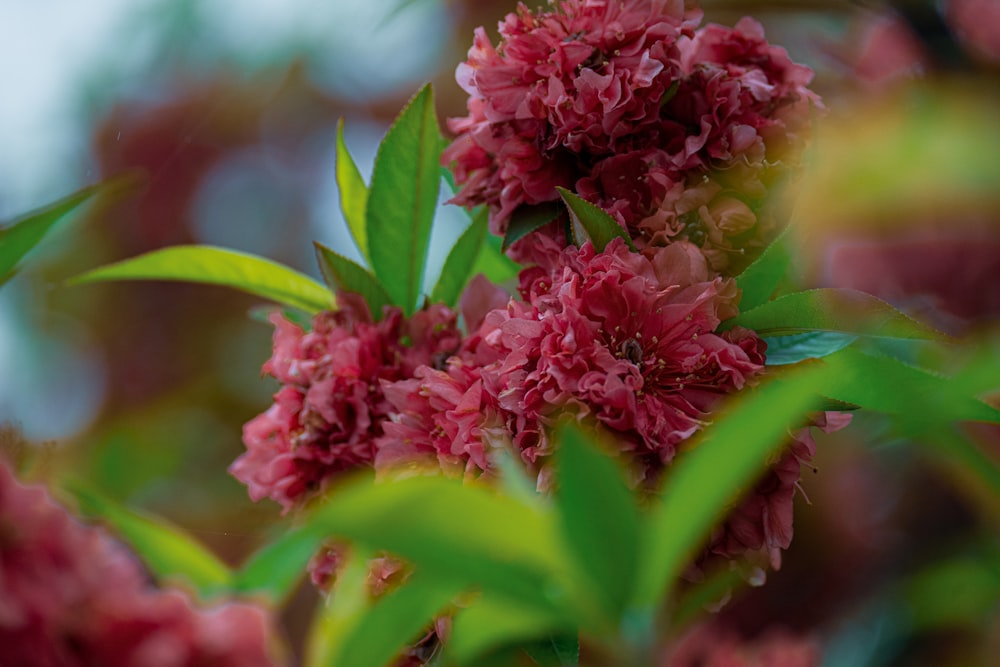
(71, 596)
(331, 408)
(627, 338)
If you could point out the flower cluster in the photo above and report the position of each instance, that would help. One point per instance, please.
(331, 407)
(676, 132)
(70, 595)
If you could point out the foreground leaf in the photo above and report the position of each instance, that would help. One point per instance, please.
(274, 570)
(341, 273)
(705, 481)
(403, 198)
(25, 232)
(340, 611)
(394, 620)
(832, 309)
(600, 227)
(353, 194)
(599, 519)
(504, 546)
(528, 218)
(170, 553)
(458, 266)
(218, 266)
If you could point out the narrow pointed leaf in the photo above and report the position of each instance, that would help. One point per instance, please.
(832, 309)
(599, 519)
(492, 622)
(341, 273)
(403, 198)
(600, 227)
(563, 651)
(353, 193)
(169, 552)
(709, 478)
(19, 237)
(398, 618)
(504, 545)
(458, 266)
(339, 612)
(759, 281)
(218, 266)
(274, 570)
(919, 399)
(782, 350)
(526, 219)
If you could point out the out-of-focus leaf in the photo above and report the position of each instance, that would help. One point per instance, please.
(493, 264)
(458, 266)
(340, 612)
(403, 198)
(716, 588)
(959, 592)
(920, 400)
(276, 568)
(353, 193)
(218, 266)
(502, 545)
(724, 461)
(526, 219)
(600, 227)
(491, 622)
(170, 553)
(341, 273)
(759, 281)
(834, 310)
(782, 350)
(562, 651)
(392, 621)
(25, 232)
(599, 520)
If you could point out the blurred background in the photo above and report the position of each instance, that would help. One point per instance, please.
(229, 109)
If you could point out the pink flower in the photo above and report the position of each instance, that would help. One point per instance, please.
(329, 412)
(71, 596)
(626, 338)
(583, 79)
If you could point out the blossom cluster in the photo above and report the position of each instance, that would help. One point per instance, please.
(72, 596)
(677, 132)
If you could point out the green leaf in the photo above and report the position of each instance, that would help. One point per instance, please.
(491, 622)
(600, 227)
(493, 263)
(353, 193)
(450, 530)
(170, 553)
(458, 267)
(782, 350)
(341, 273)
(832, 309)
(218, 266)
(919, 400)
(403, 198)
(599, 519)
(25, 232)
(760, 280)
(526, 219)
(958, 592)
(555, 651)
(340, 611)
(705, 481)
(274, 570)
(394, 620)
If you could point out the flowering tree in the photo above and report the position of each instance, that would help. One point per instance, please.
(590, 428)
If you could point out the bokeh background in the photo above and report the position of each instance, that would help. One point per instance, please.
(229, 109)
